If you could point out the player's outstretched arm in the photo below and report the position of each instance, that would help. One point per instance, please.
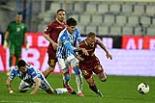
(8, 84)
(108, 55)
(84, 51)
(47, 37)
(37, 84)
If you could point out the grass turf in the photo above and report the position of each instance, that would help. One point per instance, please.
(117, 89)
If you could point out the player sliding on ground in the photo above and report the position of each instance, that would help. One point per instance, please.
(31, 78)
(90, 64)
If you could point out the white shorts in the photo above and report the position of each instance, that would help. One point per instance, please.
(70, 61)
(24, 86)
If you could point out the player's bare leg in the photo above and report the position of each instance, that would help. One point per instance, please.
(48, 71)
(93, 86)
(101, 75)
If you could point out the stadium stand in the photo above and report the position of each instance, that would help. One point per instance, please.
(97, 19)
(121, 20)
(133, 20)
(126, 30)
(103, 30)
(115, 30)
(103, 8)
(105, 17)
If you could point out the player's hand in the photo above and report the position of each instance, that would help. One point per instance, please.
(5, 45)
(11, 92)
(108, 55)
(55, 45)
(85, 51)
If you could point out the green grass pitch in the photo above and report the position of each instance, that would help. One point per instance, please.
(117, 89)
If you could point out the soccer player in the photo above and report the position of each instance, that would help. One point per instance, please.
(90, 64)
(51, 33)
(31, 78)
(66, 52)
(15, 38)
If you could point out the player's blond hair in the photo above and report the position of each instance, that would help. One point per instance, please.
(91, 34)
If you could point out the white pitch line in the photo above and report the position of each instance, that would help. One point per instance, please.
(4, 101)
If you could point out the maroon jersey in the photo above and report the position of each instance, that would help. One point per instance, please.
(90, 63)
(53, 30)
(90, 49)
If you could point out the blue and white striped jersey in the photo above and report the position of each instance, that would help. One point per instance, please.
(76, 37)
(29, 77)
(67, 43)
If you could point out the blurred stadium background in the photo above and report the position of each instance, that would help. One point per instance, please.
(127, 28)
(112, 17)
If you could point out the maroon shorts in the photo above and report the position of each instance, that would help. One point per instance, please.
(90, 66)
(52, 58)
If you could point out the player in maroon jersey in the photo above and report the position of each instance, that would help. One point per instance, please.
(51, 33)
(91, 64)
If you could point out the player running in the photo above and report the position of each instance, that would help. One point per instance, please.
(90, 64)
(51, 33)
(66, 52)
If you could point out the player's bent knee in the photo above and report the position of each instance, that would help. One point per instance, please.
(104, 79)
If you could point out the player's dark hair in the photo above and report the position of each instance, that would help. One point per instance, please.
(19, 13)
(21, 63)
(91, 34)
(60, 10)
(71, 22)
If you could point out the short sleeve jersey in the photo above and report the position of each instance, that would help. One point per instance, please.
(76, 37)
(16, 33)
(90, 49)
(65, 47)
(28, 77)
(53, 30)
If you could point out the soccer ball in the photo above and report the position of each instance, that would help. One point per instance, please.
(143, 88)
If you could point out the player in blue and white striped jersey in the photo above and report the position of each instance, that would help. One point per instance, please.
(66, 52)
(30, 77)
